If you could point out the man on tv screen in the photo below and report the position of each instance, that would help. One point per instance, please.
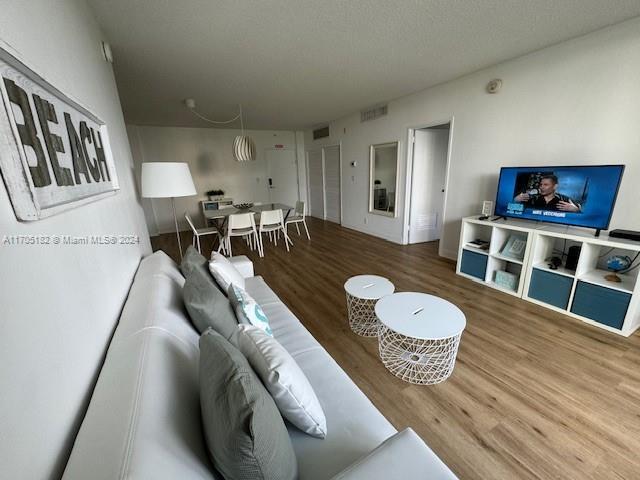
(547, 197)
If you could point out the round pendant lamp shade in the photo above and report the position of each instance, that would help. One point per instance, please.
(244, 149)
(166, 179)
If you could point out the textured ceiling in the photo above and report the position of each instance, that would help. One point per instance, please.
(299, 63)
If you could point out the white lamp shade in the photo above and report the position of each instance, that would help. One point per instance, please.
(166, 179)
(244, 149)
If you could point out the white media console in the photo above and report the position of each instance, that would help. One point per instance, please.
(524, 249)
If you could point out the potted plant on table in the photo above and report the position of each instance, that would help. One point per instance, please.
(215, 194)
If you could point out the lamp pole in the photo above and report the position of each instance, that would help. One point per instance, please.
(175, 219)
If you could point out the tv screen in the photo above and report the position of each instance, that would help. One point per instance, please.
(579, 196)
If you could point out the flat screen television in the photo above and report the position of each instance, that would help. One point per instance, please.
(582, 196)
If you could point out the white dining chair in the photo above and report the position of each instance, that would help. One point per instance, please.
(298, 217)
(272, 223)
(242, 225)
(201, 232)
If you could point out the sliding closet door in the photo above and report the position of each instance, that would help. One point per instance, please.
(332, 183)
(315, 174)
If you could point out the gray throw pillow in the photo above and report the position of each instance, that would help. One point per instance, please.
(192, 259)
(245, 434)
(207, 306)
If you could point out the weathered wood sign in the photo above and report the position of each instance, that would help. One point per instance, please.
(54, 153)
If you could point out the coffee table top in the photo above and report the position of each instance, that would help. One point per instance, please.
(369, 287)
(419, 315)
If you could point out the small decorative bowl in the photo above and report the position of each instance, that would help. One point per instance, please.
(243, 206)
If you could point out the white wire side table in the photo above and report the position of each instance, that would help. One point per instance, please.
(419, 336)
(363, 291)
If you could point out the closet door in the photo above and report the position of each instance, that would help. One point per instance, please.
(332, 183)
(315, 176)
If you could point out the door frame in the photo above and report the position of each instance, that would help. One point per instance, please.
(268, 167)
(409, 177)
(324, 180)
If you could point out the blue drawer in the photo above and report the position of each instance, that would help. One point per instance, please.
(474, 264)
(602, 304)
(550, 288)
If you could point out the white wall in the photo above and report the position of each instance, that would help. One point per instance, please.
(573, 103)
(209, 154)
(60, 304)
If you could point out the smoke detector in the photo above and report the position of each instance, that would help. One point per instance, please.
(494, 85)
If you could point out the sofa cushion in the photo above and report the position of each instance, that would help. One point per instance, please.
(287, 384)
(143, 420)
(404, 455)
(245, 434)
(354, 425)
(224, 272)
(206, 305)
(155, 300)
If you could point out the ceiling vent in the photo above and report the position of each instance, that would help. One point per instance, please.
(373, 113)
(321, 132)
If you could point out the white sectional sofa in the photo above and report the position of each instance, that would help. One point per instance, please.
(144, 422)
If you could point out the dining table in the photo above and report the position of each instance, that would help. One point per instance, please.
(220, 216)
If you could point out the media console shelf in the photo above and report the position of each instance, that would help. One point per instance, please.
(583, 293)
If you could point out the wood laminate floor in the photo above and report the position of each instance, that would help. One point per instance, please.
(534, 394)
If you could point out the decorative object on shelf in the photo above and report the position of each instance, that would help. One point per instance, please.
(215, 194)
(506, 280)
(479, 243)
(617, 263)
(515, 247)
(167, 180)
(54, 153)
(573, 255)
(554, 262)
(243, 206)
(487, 209)
(244, 148)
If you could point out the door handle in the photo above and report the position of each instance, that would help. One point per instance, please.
(270, 183)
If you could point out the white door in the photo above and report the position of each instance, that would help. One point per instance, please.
(282, 176)
(315, 177)
(332, 183)
(428, 184)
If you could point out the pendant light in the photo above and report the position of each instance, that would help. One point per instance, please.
(244, 149)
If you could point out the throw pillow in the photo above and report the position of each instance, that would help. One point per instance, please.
(245, 434)
(284, 379)
(224, 271)
(247, 309)
(192, 259)
(207, 306)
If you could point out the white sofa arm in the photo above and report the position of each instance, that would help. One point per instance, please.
(243, 264)
(404, 455)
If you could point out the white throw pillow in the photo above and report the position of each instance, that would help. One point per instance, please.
(247, 309)
(224, 271)
(284, 379)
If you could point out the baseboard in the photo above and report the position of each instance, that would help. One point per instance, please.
(450, 254)
(172, 231)
(373, 233)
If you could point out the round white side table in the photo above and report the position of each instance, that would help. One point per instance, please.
(419, 336)
(363, 291)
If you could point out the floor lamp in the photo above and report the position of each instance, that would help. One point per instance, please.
(167, 180)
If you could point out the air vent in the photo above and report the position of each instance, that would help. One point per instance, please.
(321, 133)
(373, 113)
